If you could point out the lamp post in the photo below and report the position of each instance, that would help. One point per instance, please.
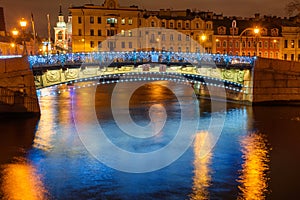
(256, 31)
(15, 34)
(23, 24)
(203, 39)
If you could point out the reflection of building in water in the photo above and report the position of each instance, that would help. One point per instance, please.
(253, 178)
(202, 178)
(21, 181)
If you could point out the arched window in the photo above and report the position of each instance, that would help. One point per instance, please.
(60, 35)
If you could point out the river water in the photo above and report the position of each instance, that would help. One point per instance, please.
(255, 157)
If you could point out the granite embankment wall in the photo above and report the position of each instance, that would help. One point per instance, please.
(17, 88)
(276, 81)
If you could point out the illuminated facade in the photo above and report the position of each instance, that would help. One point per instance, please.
(60, 32)
(93, 24)
(247, 37)
(110, 27)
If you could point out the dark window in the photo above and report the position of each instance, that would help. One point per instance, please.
(92, 32)
(59, 35)
(79, 20)
(130, 45)
(91, 20)
(99, 20)
(292, 56)
(285, 43)
(79, 32)
(285, 56)
(99, 32)
(123, 45)
(92, 44)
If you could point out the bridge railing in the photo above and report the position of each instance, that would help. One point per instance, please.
(106, 58)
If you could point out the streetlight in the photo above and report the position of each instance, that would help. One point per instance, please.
(203, 39)
(23, 24)
(256, 31)
(15, 34)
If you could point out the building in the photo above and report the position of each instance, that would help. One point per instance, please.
(111, 27)
(93, 24)
(60, 33)
(247, 37)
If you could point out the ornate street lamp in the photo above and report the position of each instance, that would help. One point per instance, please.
(256, 32)
(23, 24)
(203, 38)
(15, 34)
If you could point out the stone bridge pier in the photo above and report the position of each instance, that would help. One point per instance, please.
(276, 81)
(17, 87)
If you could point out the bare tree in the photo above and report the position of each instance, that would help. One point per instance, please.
(293, 7)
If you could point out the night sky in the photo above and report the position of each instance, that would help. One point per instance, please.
(16, 9)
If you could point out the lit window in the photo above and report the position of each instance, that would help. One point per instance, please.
(130, 21)
(122, 32)
(130, 33)
(123, 21)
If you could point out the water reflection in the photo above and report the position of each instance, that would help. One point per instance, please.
(253, 178)
(202, 178)
(21, 181)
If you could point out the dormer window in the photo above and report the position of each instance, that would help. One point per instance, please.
(221, 30)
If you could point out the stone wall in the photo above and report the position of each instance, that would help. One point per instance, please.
(276, 80)
(17, 88)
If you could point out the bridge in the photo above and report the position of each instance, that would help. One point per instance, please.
(244, 79)
(230, 72)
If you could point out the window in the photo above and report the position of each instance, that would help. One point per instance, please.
(285, 56)
(163, 24)
(163, 37)
(123, 21)
(260, 44)
(79, 32)
(130, 45)
(292, 57)
(79, 20)
(92, 44)
(224, 44)
(91, 20)
(179, 49)
(197, 25)
(298, 57)
(110, 32)
(99, 32)
(99, 20)
(130, 21)
(171, 24)
(266, 44)
(187, 38)
(179, 37)
(249, 44)
(285, 43)
(171, 49)
(130, 33)
(99, 45)
(266, 54)
(179, 25)
(187, 49)
(112, 21)
(152, 24)
(218, 44)
(59, 35)
(171, 37)
(292, 43)
(122, 32)
(187, 25)
(123, 45)
(92, 32)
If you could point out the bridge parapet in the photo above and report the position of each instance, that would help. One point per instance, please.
(111, 58)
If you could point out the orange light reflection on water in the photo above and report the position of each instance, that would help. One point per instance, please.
(21, 181)
(253, 178)
(202, 178)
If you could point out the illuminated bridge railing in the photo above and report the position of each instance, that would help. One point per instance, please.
(108, 58)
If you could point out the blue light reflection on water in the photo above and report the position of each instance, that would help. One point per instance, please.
(68, 171)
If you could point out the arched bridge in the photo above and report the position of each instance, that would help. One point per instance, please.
(233, 73)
